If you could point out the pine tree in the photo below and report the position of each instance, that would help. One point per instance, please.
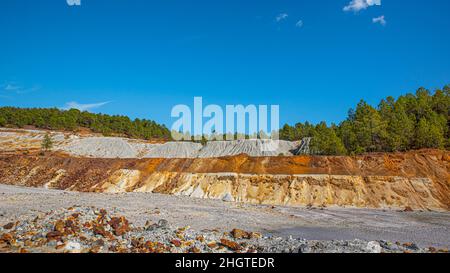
(346, 133)
(287, 133)
(47, 143)
(429, 135)
(326, 142)
(370, 129)
(400, 127)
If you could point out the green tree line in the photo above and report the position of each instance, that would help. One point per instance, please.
(413, 121)
(71, 120)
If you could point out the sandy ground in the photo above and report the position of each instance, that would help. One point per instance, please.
(423, 228)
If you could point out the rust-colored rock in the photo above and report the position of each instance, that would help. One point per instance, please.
(95, 249)
(194, 250)
(255, 235)
(59, 226)
(119, 225)
(28, 243)
(100, 230)
(240, 234)
(7, 238)
(8, 226)
(212, 244)
(176, 242)
(230, 244)
(60, 246)
(54, 235)
(137, 243)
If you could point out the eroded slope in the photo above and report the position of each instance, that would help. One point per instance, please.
(419, 180)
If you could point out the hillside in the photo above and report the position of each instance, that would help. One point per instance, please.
(419, 180)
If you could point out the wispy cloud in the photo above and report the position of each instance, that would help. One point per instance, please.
(357, 5)
(379, 20)
(83, 107)
(12, 87)
(282, 16)
(299, 23)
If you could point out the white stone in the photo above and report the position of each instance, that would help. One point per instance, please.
(374, 247)
(228, 197)
(73, 247)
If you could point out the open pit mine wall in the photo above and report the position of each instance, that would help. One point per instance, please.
(419, 180)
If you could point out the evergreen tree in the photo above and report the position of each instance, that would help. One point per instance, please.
(413, 121)
(346, 133)
(326, 142)
(287, 133)
(428, 135)
(369, 128)
(400, 127)
(73, 119)
(47, 143)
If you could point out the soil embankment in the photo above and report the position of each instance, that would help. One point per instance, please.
(418, 180)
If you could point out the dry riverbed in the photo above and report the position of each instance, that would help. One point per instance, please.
(158, 221)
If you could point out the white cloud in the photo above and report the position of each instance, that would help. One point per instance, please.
(379, 20)
(281, 17)
(73, 2)
(357, 5)
(83, 107)
(299, 24)
(12, 87)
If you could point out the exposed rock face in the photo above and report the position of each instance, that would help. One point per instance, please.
(418, 180)
(299, 190)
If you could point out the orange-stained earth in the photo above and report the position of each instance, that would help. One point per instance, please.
(416, 179)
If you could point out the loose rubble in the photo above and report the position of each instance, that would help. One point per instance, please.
(94, 230)
(96, 146)
(103, 147)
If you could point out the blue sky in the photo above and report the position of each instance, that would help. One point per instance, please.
(316, 59)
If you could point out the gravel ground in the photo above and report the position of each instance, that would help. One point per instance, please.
(425, 229)
(95, 230)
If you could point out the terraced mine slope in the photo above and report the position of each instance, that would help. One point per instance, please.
(416, 180)
(95, 146)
